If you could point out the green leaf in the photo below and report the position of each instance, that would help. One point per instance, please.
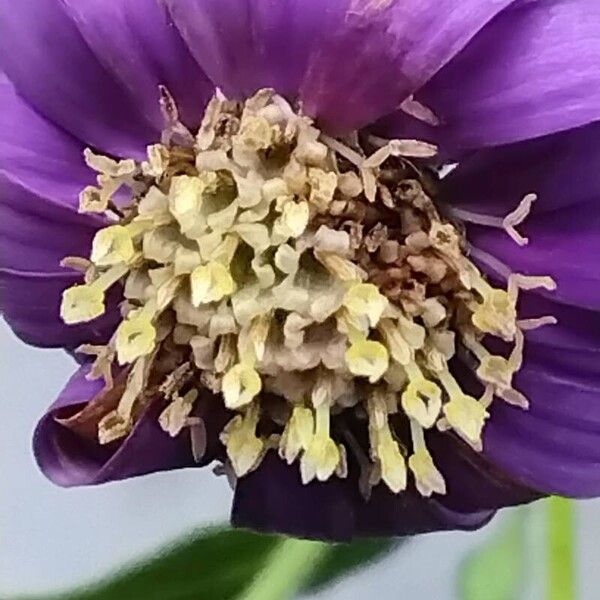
(223, 563)
(496, 570)
(561, 577)
(347, 557)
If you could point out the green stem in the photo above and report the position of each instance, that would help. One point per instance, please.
(287, 568)
(561, 577)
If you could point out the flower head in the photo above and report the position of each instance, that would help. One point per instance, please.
(272, 268)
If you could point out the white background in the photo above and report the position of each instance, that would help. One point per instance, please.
(51, 538)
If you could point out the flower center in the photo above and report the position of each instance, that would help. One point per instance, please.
(309, 282)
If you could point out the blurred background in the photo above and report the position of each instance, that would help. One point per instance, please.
(54, 540)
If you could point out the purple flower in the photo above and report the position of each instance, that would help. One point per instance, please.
(388, 437)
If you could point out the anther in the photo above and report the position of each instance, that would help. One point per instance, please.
(83, 303)
(322, 456)
(427, 477)
(244, 448)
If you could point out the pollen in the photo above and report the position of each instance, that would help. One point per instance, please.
(309, 285)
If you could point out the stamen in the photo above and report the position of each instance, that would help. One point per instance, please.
(293, 220)
(322, 456)
(241, 384)
(407, 148)
(364, 299)
(498, 371)
(384, 448)
(176, 416)
(107, 166)
(158, 161)
(323, 186)
(419, 111)
(322, 393)
(351, 155)
(198, 437)
(497, 314)
(366, 358)
(422, 399)
(136, 336)
(117, 424)
(77, 263)
(211, 283)
(465, 414)
(531, 324)
(297, 434)
(516, 217)
(427, 478)
(114, 245)
(111, 176)
(508, 223)
(399, 349)
(102, 367)
(244, 448)
(517, 282)
(174, 131)
(84, 303)
(341, 267)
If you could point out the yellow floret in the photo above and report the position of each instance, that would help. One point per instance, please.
(244, 448)
(364, 299)
(136, 337)
(366, 358)
(211, 283)
(241, 384)
(82, 303)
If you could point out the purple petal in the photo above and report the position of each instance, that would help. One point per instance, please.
(41, 173)
(134, 42)
(297, 47)
(33, 231)
(244, 46)
(37, 155)
(35, 234)
(69, 459)
(555, 445)
(578, 330)
(533, 71)
(473, 482)
(45, 56)
(564, 244)
(562, 169)
(273, 499)
(30, 303)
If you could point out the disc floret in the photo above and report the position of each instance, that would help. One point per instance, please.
(309, 282)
